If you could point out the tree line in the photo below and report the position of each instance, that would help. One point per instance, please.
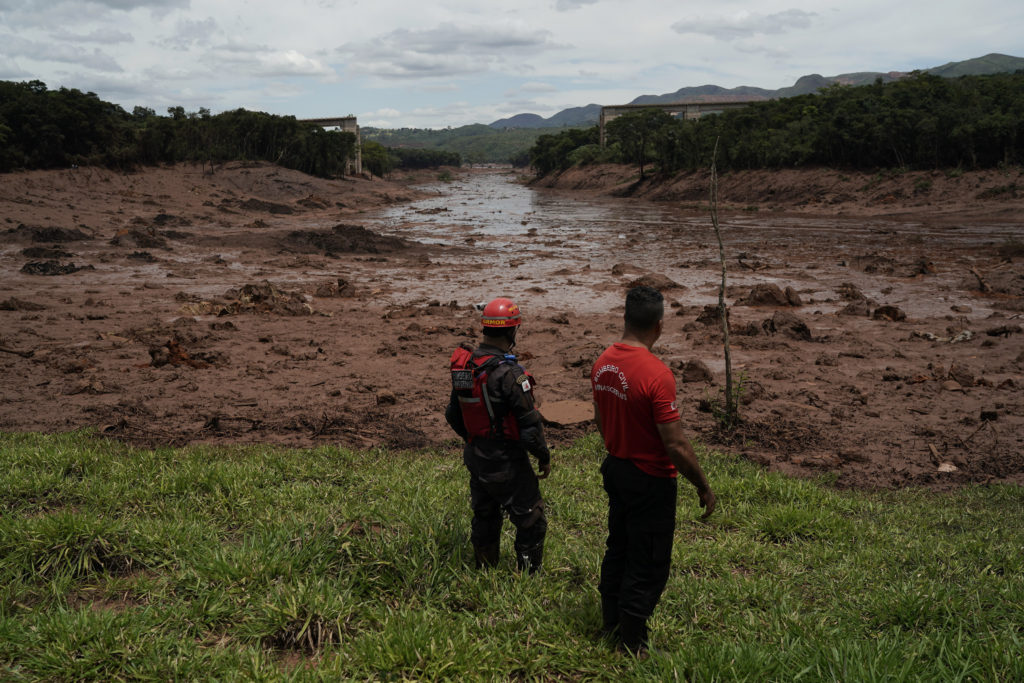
(42, 129)
(919, 122)
(381, 160)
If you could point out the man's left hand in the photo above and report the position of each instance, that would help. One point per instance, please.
(707, 501)
(545, 470)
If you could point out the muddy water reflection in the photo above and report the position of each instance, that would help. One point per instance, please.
(556, 249)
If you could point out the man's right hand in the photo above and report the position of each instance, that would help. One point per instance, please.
(707, 501)
(545, 470)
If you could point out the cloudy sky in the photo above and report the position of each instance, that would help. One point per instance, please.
(425, 64)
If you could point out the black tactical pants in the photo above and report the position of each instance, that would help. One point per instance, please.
(641, 523)
(507, 485)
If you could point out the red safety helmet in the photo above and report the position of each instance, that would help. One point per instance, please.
(500, 313)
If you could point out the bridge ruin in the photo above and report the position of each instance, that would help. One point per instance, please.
(347, 124)
(690, 110)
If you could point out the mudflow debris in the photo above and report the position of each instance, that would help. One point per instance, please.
(264, 297)
(52, 268)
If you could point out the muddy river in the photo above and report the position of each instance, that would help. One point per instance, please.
(258, 305)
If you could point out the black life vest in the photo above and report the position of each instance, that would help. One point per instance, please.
(483, 415)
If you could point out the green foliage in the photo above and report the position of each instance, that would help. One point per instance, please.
(640, 134)
(475, 144)
(40, 128)
(919, 122)
(377, 160)
(256, 563)
(715, 403)
(552, 151)
(412, 158)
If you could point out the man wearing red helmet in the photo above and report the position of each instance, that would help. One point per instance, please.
(492, 409)
(635, 408)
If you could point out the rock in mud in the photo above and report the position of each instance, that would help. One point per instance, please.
(858, 308)
(14, 304)
(875, 263)
(50, 253)
(695, 371)
(747, 329)
(52, 268)
(37, 233)
(174, 353)
(891, 313)
(711, 316)
(143, 256)
(139, 238)
(339, 288)
(165, 220)
(850, 292)
(829, 360)
(765, 294)
(343, 239)
(788, 324)
(793, 297)
(269, 207)
(1004, 330)
(655, 281)
(961, 374)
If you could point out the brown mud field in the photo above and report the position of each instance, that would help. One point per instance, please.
(876, 319)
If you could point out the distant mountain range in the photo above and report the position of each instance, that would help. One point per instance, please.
(588, 115)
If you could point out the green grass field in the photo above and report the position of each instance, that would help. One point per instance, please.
(257, 563)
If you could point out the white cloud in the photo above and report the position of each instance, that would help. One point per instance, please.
(64, 53)
(105, 36)
(566, 5)
(765, 50)
(10, 71)
(445, 51)
(537, 86)
(290, 63)
(746, 24)
(189, 33)
(385, 113)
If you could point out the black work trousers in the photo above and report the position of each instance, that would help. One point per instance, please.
(641, 523)
(505, 485)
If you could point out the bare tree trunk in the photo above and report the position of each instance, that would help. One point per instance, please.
(731, 410)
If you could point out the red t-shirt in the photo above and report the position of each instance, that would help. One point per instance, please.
(635, 392)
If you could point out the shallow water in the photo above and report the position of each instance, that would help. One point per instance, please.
(517, 239)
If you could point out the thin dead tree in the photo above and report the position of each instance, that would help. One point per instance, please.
(731, 409)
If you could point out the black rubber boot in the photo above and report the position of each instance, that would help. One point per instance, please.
(633, 630)
(530, 558)
(610, 617)
(486, 555)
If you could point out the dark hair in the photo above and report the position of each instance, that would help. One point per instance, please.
(507, 333)
(645, 306)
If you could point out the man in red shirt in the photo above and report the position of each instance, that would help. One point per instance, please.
(635, 409)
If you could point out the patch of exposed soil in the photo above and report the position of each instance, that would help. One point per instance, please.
(876, 327)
